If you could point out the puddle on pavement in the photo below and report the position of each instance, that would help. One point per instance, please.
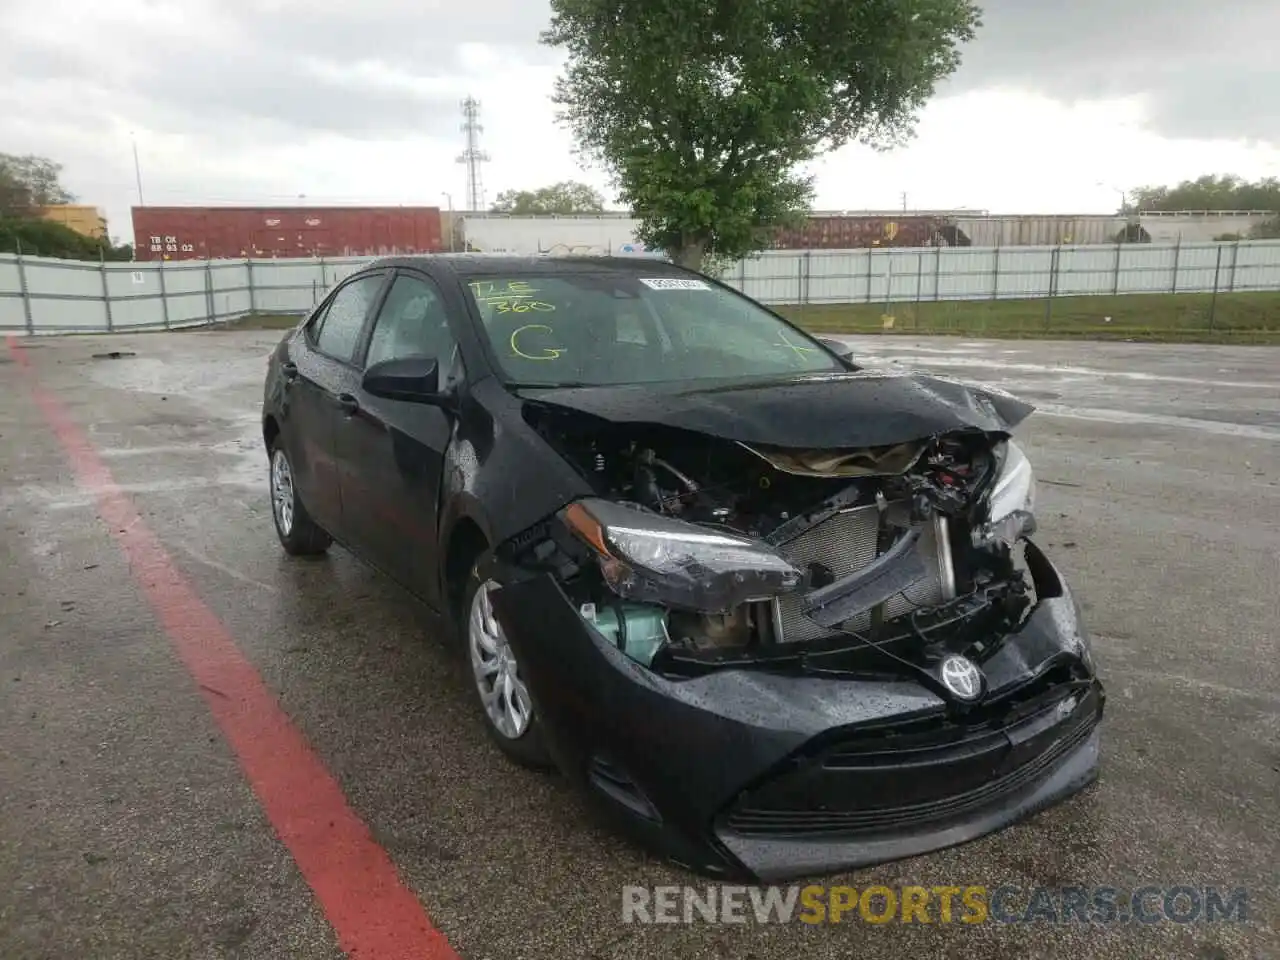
(227, 387)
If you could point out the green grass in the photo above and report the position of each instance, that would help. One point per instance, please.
(1171, 318)
(259, 321)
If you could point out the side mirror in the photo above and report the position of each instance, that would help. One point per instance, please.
(412, 379)
(838, 347)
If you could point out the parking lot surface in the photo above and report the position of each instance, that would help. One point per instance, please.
(208, 749)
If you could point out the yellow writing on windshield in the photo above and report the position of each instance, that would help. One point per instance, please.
(521, 306)
(799, 350)
(548, 353)
(510, 296)
(500, 290)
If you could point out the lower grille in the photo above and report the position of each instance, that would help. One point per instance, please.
(844, 544)
(826, 800)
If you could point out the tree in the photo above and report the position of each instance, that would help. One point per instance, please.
(15, 194)
(44, 238)
(1132, 233)
(28, 183)
(565, 198)
(703, 112)
(1211, 192)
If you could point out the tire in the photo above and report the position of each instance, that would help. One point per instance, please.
(298, 533)
(489, 659)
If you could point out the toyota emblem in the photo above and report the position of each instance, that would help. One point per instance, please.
(961, 677)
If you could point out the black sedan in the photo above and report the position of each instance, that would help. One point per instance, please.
(778, 614)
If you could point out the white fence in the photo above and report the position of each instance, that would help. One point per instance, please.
(1008, 273)
(39, 295)
(42, 295)
(616, 232)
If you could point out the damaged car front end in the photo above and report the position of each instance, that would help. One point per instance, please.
(775, 642)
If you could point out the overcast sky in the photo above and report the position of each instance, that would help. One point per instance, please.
(1056, 108)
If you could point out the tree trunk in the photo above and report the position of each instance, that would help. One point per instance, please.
(690, 254)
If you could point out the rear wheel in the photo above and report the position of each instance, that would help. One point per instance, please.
(298, 533)
(504, 699)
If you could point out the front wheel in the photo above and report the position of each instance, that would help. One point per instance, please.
(298, 533)
(504, 699)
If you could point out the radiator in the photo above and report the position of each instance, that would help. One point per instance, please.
(845, 543)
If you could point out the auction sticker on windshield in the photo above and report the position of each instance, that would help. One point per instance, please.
(674, 283)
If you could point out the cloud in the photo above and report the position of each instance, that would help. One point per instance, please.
(1202, 69)
(261, 101)
(233, 70)
(1013, 152)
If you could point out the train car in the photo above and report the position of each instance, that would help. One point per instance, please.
(1023, 231)
(215, 233)
(851, 232)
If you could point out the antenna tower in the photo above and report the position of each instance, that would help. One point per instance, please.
(473, 156)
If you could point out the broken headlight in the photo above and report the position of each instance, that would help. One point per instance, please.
(1011, 505)
(650, 558)
(1015, 488)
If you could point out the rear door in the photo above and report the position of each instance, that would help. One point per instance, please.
(323, 371)
(391, 451)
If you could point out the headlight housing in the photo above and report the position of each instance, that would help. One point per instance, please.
(1011, 505)
(1015, 488)
(650, 558)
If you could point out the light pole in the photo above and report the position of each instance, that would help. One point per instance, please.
(449, 197)
(1124, 195)
(137, 169)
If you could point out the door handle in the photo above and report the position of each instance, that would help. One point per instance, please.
(289, 370)
(348, 403)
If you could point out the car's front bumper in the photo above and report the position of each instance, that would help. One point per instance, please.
(766, 776)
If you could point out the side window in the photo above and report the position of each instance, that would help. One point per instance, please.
(342, 323)
(313, 322)
(412, 323)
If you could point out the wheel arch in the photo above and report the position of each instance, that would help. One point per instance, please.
(466, 542)
(270, 429)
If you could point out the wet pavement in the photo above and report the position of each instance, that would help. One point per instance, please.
(131, 823)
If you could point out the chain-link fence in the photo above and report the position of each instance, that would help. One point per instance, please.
(1215, 290)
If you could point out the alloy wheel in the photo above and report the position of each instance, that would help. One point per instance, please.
(503, 693)
(282, 492)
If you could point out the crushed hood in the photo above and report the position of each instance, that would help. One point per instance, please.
(831, 412)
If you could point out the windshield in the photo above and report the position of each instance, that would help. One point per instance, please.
(598, 329)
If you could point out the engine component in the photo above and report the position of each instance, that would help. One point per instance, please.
(649, 491)
(690, 486)
(714, 631)
(703, 527)
(638, 630)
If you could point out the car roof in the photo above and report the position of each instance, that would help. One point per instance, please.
(514, 265)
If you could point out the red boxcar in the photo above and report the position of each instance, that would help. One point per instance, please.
(216, 233)
(846, 233)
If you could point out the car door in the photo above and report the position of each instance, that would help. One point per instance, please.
(391, 452)
(320, 370)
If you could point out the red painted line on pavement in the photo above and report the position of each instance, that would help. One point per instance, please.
(375, 916)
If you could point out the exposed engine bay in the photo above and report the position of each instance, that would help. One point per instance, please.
(702, 553)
